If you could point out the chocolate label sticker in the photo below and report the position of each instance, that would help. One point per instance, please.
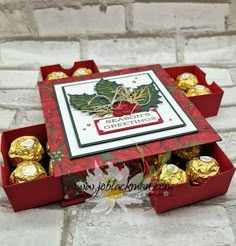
(29, 170)
(28, 142)
(206, 158)
(185, 76)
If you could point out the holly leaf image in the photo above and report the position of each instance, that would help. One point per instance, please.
(80, 102)
(149, 96)
(109, 93)
(106, 88)
(91, 104)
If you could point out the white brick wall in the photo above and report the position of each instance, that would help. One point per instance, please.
(165, 16)
(10, 79)
(228, 143)
(228, 122)
(6, 116)
(14, 22)
(229, 98)
(219, 49)
(35, 53)
(32, 117)
(33, 227)
(88, 19)
(132, 51)
(20, 99)
(221, 76)
(205, 225)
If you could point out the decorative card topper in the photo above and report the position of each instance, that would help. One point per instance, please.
(126, 122)
(119, 111)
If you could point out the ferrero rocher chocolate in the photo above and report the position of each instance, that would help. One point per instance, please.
(202, 168)
(48, 148)
(188, 153)
(186, 81)
(27, 171)
(50, 168)
(171, 174)
(198, 90)
(81, 71)
(26, 148)
(56, 75)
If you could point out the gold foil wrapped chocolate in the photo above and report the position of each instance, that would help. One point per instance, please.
(171, 174)
(186, 81)
(202, 168)
(188, 153)
(81, 71)
(27, 171)
(50, 167)
(56, 75)
(26, 148)
(198, 90)
(48, 148)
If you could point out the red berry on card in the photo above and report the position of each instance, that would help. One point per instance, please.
(117, 113)
(124, 108)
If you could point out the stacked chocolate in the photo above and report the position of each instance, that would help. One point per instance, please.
(189, 83)
(26, 155)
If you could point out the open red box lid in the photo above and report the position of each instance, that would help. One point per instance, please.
(146, 115)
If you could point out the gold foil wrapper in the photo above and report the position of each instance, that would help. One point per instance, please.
(171, 174)
(27, 171)
(26, 148)
(186, 81)
(81, 71)
(188, 153)
(48, 149)
(202, 168)
(50, 168)
(56, 75)
(198, 90)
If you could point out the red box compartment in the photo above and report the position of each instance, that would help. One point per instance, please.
(209, 104)
(170, 197)
(34, 193)
(46, 70)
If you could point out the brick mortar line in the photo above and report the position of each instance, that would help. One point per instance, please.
(18, 88)
(65, 230)
(224, 130)
(187, 34)
(62, 4)
(186, 1)
(112, 67)
(229, 105)
(22, 108)
(76, 5)
(118, 66)
(35, 68)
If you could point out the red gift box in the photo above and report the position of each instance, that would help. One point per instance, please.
(67, 170)
(209, 104)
